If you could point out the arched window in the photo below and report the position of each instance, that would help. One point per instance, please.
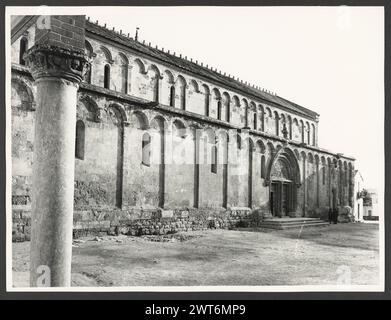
(245, 109)
(239, 142)
(277, 123)
(206, 93)
(226, 101)
(213, 166)
(123, 67)
(124, 78)
(22, 50)
(146, 149)
(156, 88)
(155, 83)
(255, 121)
(107, 77)
(183, 99)
(324, 175)
(80, 140)
(172, 96)
(207, 104)
(262, 118)
(219, 110)
(89, 52)
(263, 167)
(182, 92)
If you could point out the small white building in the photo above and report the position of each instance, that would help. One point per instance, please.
(371, 210)
(358, 209)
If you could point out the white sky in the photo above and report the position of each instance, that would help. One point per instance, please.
(328, 59)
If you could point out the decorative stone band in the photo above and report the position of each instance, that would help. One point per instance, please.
(50, 61)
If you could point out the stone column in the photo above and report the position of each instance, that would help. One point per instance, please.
(305, 186)
(351, 186)
(57, 72)
(329, 184)
(250, 174)
(196, 140)
(225, 172)
(317, 182)
(169, 163)
(246, 117)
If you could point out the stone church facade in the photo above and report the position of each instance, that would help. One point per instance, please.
(164, 143)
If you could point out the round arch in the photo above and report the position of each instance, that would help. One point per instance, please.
(283, 177)
(25, 91)
(92, 106)
(140, 66)
(154, 69)
(159, 122)
(289, 158)
(180, 127)
(193, 85)
(140, 120)
(260, 146)
(121, 109)
(106, 52)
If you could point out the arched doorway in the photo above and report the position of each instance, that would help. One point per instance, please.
(284, 179)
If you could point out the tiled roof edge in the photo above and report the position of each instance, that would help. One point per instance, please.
(189, 65)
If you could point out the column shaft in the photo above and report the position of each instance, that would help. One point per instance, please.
(53, 181)
(57, 73)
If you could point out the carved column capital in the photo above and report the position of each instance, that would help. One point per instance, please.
(50, 61)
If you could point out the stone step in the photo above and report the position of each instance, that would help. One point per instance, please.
(298, 226)
(321, 224)
(291, 222)
(294, 223)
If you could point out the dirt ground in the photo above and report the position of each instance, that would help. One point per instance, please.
(313, 256)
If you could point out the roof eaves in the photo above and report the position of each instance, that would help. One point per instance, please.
(201, 70)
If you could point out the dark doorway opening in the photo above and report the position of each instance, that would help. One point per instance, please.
(284, 177)
(280, 198)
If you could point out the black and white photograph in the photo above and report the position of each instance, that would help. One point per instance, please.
(195, 148)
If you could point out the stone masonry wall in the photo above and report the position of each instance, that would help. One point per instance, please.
(115, 192)
(139, 222)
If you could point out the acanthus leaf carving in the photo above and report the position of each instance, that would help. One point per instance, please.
(50, 61)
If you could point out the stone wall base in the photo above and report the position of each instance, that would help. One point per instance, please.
(295, 214)
(137, 221)
(321, 213)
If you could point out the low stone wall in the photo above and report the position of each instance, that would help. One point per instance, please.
(137, 222)
(371, 218)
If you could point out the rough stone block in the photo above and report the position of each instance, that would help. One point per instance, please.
(167, 213)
